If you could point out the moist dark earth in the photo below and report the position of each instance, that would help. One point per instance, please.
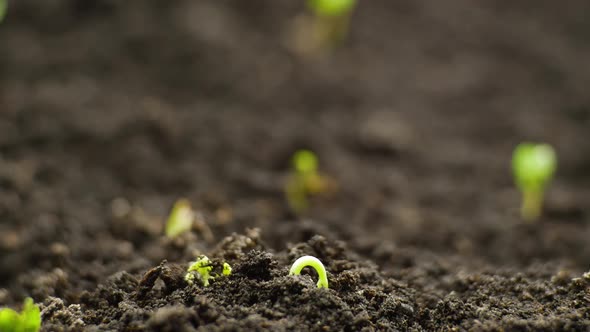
(110, 111)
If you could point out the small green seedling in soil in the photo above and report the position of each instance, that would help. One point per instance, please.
(326, 28)
(533, 166)
(29, 320)
(304, 261)
(331, 7)
(332, 19)
(202, 269)
(226, 269)
(3, 7)
(180, 219)
(304, 181)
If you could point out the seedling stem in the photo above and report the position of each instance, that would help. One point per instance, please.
(304, 261)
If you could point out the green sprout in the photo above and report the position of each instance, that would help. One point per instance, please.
(202, 269)
(304, 261)
(332, 19)
(226, 269)
(3, 6)
(29, 320)
(180, 219)
(533, 166)
(304, 181)
(331, 7)
(327, 27)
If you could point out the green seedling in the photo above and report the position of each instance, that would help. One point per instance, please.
(331, 7)
(304, 261)
(533, 166)
(202, 271)
(304, 181)
(331, 20)
(226, 269)
(326, 27)
(180, 219)
(29, 320)
(3, 7)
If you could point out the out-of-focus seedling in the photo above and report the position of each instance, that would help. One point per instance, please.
(328, 26)
(183, 218)
(327, 8)
(304, 261)
(3, 6)
(180, 219)
(533, 166)
(305, 180)
(29, 320)
(202, 270)
(332, 18)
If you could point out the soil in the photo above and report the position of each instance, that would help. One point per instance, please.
(112, 110)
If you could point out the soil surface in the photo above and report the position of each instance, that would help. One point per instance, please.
(110, 111)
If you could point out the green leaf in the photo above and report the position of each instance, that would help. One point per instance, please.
(201, 269)
(226, 269)
(180, 220)
(533, 166)
(29, 320)
(30, 317)
(9, 320)
(305, 162)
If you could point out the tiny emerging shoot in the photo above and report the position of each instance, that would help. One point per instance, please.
(332, 18)
(304, 261)
(304, 181)
(199, 269)
(326, 28)
(180, 219)
(29, 319)
(331, 7)
(533, 166)
(202, 269)
(3, 7)
(226, 269)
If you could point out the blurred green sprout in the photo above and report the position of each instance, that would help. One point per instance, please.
(180, 219)
(28, 320)
(226, 269)
(3, 7)
(533, 166)
(201, 270)
(331, 7)
(315, 263)
(305, 162)
(304, 181)
(330, 23)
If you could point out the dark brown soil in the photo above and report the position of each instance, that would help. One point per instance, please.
(112, 110)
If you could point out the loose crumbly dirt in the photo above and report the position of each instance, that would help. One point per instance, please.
(112, 110)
